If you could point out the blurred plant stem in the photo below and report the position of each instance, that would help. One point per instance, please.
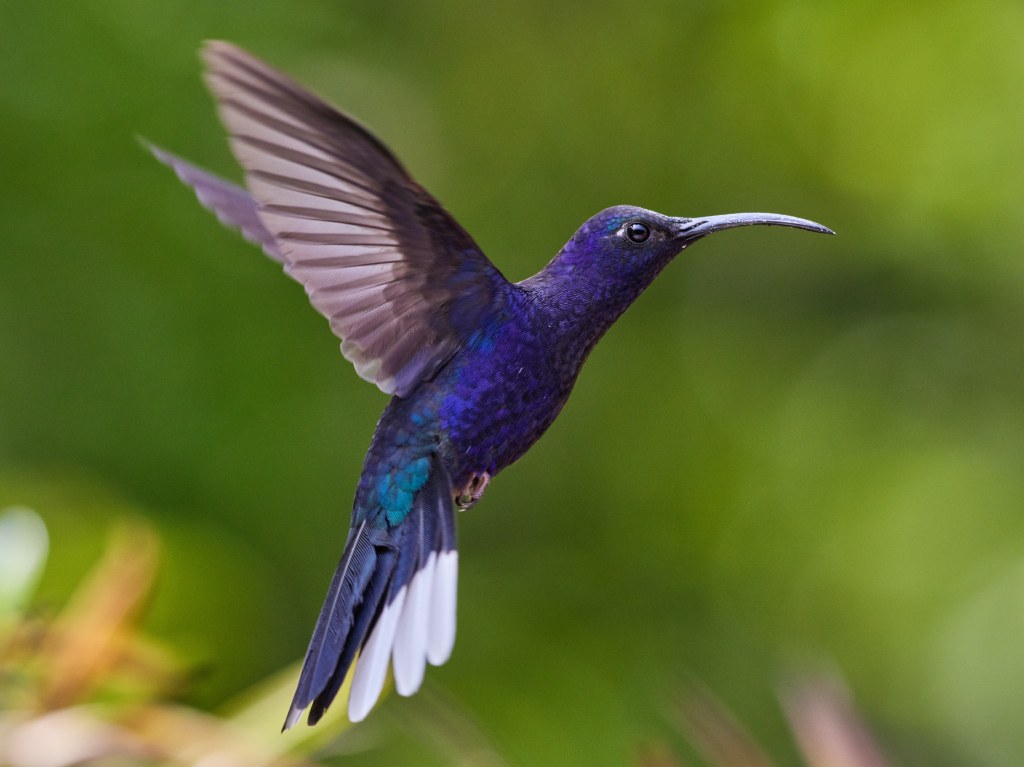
(95, 639)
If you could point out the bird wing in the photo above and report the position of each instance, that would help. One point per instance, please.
(402, 284)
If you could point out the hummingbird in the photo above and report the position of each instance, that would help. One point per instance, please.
(477, 367)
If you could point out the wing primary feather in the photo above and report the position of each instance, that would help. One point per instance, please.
(314, 189)
(376, 284)
(316, 136)
(335, 168)
(342, 262)
(215, 50)
(322, 214)
(334, 238)
(245, 118)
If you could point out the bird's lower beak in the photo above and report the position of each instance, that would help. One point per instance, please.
(692, 229)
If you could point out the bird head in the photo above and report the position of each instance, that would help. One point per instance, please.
(626, 239)
(622, 249)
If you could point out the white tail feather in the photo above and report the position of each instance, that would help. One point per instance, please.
(372, 666)
(410, 653)
(441, 632)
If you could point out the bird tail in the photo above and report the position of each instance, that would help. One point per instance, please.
(392, 598)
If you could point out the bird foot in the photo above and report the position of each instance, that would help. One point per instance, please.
(472, 492)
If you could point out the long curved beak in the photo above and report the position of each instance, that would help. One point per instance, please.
(692, 229)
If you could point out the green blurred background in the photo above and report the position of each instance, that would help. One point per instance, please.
(794, 450)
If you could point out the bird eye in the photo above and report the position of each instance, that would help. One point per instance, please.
(637, 232)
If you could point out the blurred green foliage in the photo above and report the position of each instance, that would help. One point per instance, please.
(792, 450)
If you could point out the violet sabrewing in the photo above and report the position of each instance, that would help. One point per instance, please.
(478, 367)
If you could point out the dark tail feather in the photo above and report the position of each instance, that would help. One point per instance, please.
(358, 565)
(233, 206)
(366, 616)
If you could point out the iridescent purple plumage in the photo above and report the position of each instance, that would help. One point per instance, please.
(479, 367)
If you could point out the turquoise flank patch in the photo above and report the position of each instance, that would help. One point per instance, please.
(397, 506)
(396, 490)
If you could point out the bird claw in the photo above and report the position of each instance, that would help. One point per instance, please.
(472, 492)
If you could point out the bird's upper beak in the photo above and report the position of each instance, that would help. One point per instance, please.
(689, 230)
